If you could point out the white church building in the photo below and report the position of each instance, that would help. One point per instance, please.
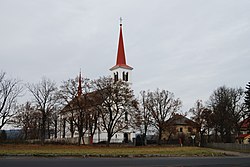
(120, 71)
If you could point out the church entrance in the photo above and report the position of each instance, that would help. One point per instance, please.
(125, 139)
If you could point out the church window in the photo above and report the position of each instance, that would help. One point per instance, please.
(125, 76)
(126, 116)
(116, 76)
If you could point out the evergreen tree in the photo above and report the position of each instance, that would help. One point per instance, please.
(247, 99)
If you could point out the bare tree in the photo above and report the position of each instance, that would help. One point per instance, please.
(45, 100)
(200, 116)
(10, 89)
(143, 117)
(66, 94)
(117, 100)
(162, 104)
(79, 99)
(29, 120)
(227, 107)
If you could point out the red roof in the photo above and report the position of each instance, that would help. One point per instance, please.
(243, 135)
(245, 123)
(121, 58)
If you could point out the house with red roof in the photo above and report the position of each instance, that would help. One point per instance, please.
(244, 136)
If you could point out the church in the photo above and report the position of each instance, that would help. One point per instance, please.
(120, 71)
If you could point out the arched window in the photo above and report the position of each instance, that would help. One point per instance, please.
(116, 76)
(126, 116)
(125, 76)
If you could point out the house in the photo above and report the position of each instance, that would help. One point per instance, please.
(180, 130)
(244, 136)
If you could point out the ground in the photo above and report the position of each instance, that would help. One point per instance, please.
(103, 151)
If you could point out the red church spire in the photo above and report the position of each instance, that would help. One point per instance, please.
(121, 58)
(79, 91)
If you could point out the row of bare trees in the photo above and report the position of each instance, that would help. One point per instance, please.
(222, 114)
(111, 106)
(10, 90)
(154, 109)
(103, 104)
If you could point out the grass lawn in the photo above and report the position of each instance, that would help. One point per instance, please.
(99, 151)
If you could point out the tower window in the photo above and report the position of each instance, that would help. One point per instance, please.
(125, 76)
(116, 76)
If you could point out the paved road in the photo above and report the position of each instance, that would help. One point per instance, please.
(126, 162)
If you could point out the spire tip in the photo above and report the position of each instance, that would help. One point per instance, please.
(120, 21)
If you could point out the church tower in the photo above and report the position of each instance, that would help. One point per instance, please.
(121, 71)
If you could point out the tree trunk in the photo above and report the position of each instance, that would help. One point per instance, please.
(160, 135)
(109, 139)
(169, 136)
(55, 128)
(91, 139)
(64, 128)
(145, 135)
(43, 129)
(208, 134)
(80, 137)
(48, 130)
(25, 133)
(72, 128)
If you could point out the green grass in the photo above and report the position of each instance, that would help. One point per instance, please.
(97, 151)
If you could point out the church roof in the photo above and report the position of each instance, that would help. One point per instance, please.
(121, 58)
(85, 101)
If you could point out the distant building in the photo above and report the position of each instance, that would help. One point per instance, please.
(244, 136)
(179, 130)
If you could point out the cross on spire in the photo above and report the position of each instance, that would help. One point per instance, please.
(120, 20)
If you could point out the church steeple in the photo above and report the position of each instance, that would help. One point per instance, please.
(121, 58)
(121, 70)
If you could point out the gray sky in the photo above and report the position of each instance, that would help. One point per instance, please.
(189, 47)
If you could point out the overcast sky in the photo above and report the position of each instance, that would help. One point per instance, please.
(189, 47)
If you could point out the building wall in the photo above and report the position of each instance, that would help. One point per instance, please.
(120, 73)
(179, 131)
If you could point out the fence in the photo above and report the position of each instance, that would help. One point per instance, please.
(229, 146)
(73, 140)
